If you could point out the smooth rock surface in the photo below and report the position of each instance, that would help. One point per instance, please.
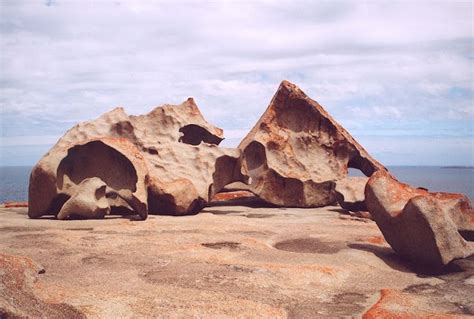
(296, 152)
(88, 200)
(17, 298)
(423, 227)
(227, 262)
(165, 162)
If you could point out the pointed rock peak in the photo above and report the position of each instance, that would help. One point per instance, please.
(117, 110)
(191, 107)
(297, 149)
(198, 120)
(287, 84)
(114, 113)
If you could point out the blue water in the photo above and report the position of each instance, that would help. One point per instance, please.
(437, 179)
(14, 183)
(14, 180)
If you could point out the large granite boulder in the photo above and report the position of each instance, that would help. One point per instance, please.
(164, 162)
(296, 152)
(423, 227)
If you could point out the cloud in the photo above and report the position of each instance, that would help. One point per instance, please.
(380, 68)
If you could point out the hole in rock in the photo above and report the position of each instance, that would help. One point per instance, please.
(354, 172)
(58, 202)
(255, 156)
(467, 234)
(362, 164)
(121, 210)
(96, 159)
(194, 134)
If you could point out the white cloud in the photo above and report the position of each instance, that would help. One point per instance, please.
(378, 66)
(29, 140)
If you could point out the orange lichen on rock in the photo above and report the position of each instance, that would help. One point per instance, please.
(220, 197)
(378, 240)
(394, 304)
(12, 204)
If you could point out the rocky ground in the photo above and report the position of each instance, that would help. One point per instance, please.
(227, 261)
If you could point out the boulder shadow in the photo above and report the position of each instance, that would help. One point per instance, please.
(396, 262)
(339, 210)
(387, 255)
(252, 202)
(222, 212)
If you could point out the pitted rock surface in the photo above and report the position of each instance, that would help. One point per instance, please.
(165, 162)
(296, 152)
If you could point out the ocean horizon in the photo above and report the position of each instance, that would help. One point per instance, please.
(451, 179)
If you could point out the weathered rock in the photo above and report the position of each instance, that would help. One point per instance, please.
(88, 200)
(17, 299)
(350, 193)
(420, 226)
(296, 152)
(60, 174)
(166, 162)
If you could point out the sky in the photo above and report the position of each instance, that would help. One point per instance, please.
(398, 75)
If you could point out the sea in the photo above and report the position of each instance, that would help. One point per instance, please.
(14, 179)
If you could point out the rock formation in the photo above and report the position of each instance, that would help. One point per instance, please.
(88, 200)
(350, 193)
(113, 165)
(423, 227)
(165, 162)
(296, 152)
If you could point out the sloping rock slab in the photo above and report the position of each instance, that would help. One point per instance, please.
(17, 300)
